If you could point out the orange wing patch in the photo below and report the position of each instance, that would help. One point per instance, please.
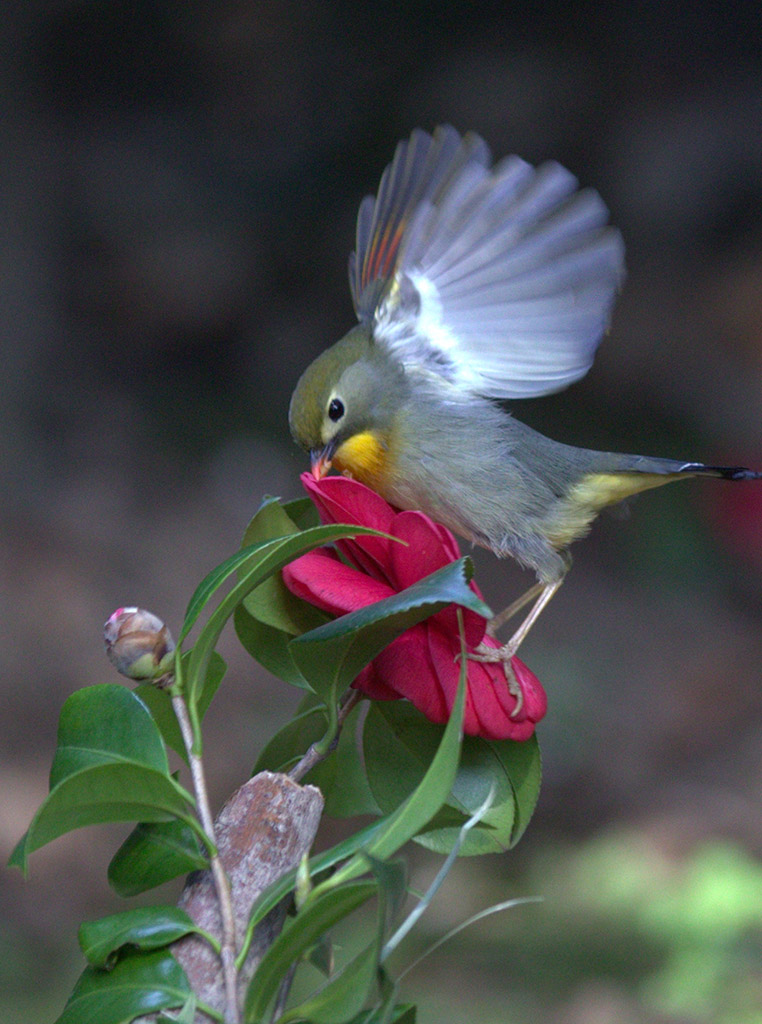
(382, 253)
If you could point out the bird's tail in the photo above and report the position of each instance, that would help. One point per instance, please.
(723, 472)
(612, 478)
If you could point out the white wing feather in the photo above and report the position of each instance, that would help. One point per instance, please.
(501, 280)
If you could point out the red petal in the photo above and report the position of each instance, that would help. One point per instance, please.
(449, 543)
(489, 702)
(430, 547)
(341, 500)
(535, 698)
(425, 552)
(443, 654)
(320, 578)
(405, 666)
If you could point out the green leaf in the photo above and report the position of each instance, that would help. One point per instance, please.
(340, 998)
(159, 703)
(110, 765)
(526, 777)
(341, 776)
(146, 928)
(271, 520)
(213, 581)
(268, 523)
(423, 803)
(302, 512)
(317, 916)
(105, 792)
(185, 1015)
(293, 741)
(337, 1000)
(403, 1013)
(269, 647)
(272, 603)
(254, 564)
(331, 656)
(140, 983)
(396, 733)
(277, 890)
(104, 725)
(154, 853)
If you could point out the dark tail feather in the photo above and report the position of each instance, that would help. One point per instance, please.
(724, 472)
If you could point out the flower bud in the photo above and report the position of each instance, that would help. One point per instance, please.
(138, 644)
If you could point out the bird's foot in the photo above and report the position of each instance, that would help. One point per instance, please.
(502, 655)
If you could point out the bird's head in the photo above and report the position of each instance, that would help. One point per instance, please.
(343, 406)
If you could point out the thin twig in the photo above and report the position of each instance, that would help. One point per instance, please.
(315, 754)
(221, 881)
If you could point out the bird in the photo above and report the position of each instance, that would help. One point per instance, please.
(475, 284)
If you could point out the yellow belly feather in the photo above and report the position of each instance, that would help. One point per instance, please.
(594, 492)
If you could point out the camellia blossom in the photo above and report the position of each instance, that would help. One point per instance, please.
(423, 664)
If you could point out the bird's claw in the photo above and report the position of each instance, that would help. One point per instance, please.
(503, 655)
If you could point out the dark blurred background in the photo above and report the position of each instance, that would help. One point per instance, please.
(179, 183)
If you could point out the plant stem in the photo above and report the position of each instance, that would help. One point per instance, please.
(319, 750)
(221, 881)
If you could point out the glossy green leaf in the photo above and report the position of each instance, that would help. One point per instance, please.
(396, 733)
(272, 603)
(260, 562)
(279, 889)
(269, 646)
(159, 703)
(341, 777)
(526, 777)
(270, 521)
(140, 983)
(291, 742)
(342, 996)
(316, 917)
(403, 1013)
(154, 853)
(301, 513)
(214, 580)
(145, 928)
(105, 792)
(105, 724)
(321, 956)
(412, 816)
(331, 656)
(185, 1015)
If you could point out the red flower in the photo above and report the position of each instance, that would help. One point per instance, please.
(422, 664)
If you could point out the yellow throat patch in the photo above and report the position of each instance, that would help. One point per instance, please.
(364, 456)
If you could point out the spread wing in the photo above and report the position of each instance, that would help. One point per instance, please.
(499, 279)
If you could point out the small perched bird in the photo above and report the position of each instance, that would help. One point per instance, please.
(472, 284)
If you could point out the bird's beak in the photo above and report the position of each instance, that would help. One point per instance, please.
(320, 460)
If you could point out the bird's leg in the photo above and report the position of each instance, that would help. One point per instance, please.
(498, 621)
(543, 593)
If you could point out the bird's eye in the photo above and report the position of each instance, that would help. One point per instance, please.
(335, 410)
